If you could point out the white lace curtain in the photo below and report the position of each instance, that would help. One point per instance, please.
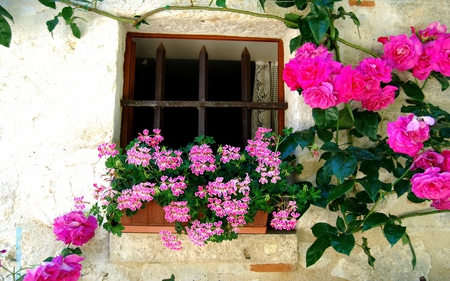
(266, 90)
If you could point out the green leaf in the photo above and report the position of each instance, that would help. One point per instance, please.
(375, 219)
(343, 243)
(343, 165)
(325, 135)
(346, 118)
(316, 250)
(413, 198)
(5, 13)
(413, 91)
(285, 3)
(324, 175)
(67, 13)
(300, 138)
(221, 3)
(48, 3)
(318, 21)
(262, 3)
(366, 122)
(401, 187)
(5, 32)
(301, 4)
(393, 232)
(361, 153)
(407, 240)
(325, 118)
(340, 224)
(323, 229)
(293, 18)
(339, 190)
(441, 79)
(331, 147)
(51, 24)
(295, 43)
(370, 258)
(75, 30)
(372, 186)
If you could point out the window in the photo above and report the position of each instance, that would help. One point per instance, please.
(198, 85)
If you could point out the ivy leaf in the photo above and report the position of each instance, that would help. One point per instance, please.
(339, 190)
(393, 232)
(343, 165)
(316, 250)
(221, 3)
(48, 3)
(75, 30)
(318, 21)
(51, 24)
(370, 258)
(5, 32)
(343, 243)
(366, 122)
(413, 91)
(325, 118)
(67, 13)
(375, 219)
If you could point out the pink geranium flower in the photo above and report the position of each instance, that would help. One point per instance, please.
(75, 228)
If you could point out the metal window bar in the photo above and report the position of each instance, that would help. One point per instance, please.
(159, 103)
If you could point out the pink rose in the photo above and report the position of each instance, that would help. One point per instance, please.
(47, 271)
(74, 228)
(445, 165)
(376, 68)
(402, 52)
(70, 267)
(349, 84)
(425, 64)
(309, 50)
(312, 72)
(321, 96)
(441, 204)
(290, 72)
(372, 87)
(427, 159)
(407, 134)
(431, 184)
(382, 99)
(433, 31)
(441, 55)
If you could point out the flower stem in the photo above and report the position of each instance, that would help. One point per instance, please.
(357, 47)
(412, 215)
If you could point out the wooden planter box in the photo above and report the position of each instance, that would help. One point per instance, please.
(151, 220)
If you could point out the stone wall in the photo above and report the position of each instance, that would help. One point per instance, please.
(59, 98)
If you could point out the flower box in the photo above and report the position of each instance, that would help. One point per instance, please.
(151, 220)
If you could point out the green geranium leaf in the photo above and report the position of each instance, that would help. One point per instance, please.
(372, 186)
(366, 122)
(318, 21)
(5, 13)
(325, 118)
(343, 243)
(370, 258)
(48, 3)
(441, 79)
(75, 30)
(413, 91)
(67, 13)
(5, 32)
(343, 165)
(339, 190)
(221, 3)
(375, 219)
(316, 250)
(393, 232)
(323, 229)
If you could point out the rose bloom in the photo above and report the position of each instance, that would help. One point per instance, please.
(382, 99)
(441, 204)
(371, 87)
(74, 228)
(403, 139)
(312, 72)
(441, 55)
(290, 72)
(427, 159)
(433, 31)
(445, 165)
(47, 271)
(426, 63)
(70, 267)
(349, 84)
(431, 184)
(309, 50)
(402, 52)
(322, 96)
(376, 68)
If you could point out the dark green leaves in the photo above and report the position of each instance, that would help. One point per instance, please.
(375, 219)
(325, 118)
(413, 91)
(316, 250)
(319, 21)
(393, 232)
(223, 3)
(5, 29)
(366, 122)
(343, 165)
(340, 190)
(301, 138)
(48, 3)
(343, 243)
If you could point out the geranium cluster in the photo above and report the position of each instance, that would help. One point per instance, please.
(423, 52)
(219, 184)
(285, 217)
(324, 82)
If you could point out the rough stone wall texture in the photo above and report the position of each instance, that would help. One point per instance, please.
(59, 98)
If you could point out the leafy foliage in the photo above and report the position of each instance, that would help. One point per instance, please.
(5, 28)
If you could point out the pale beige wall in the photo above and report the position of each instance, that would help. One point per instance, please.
(59, 98)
